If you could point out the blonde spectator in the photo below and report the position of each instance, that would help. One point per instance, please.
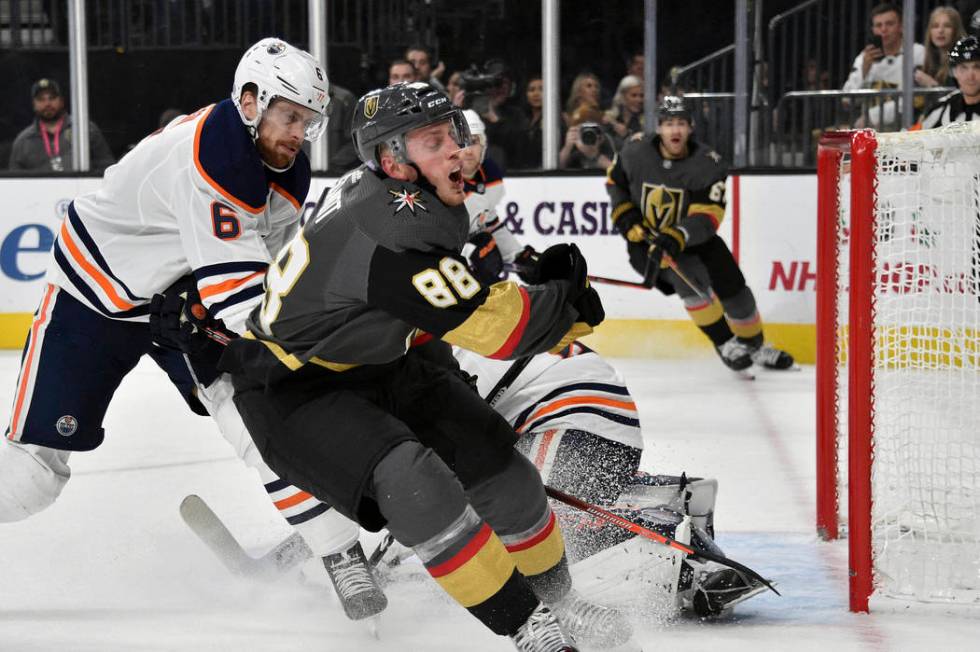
(625, 118)
(584, 97)
(944, 29)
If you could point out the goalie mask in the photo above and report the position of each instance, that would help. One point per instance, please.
(278, 70)
(384, 116)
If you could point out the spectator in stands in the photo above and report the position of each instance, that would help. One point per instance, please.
(625, 118)
(453, 88)
(45, 145)
(634, 66)
(533, 101)
(584, 97)
(420, 57)
(814, 79)
(962, 105)
(943, 30)
(504, 118)
(879, 64)
(343, 156)
(587, 145)
(401, 71)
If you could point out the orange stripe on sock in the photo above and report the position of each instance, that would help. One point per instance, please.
(91, 270)
(228, 285)
(42, 317)
(577, 400)
(295, 499)
(543, 448)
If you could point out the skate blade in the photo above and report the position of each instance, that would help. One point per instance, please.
(744, 374)
(727, 610)
(374, 627)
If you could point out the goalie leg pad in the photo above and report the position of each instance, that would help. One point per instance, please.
(31, 479)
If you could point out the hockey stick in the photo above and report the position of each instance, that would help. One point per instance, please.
(507, 379)
(647, 533)
(201, 519)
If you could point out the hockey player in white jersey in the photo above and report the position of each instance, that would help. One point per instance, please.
(213, 194)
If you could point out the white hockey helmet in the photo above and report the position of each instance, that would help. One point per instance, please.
(279, 70)
(477, 129)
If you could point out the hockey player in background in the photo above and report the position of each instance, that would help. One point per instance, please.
(963, 104)
(667, 194)
(340, 406)
(211, 194)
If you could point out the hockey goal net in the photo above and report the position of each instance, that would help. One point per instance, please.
(898, 360)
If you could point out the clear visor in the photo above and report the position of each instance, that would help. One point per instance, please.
(288, 115)
(460, 130)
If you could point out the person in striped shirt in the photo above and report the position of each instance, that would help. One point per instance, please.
(961, 105)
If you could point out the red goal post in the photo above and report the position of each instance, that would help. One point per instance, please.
(898, 359)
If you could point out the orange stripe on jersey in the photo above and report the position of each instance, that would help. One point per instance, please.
(92, 271)
(541, 552)
(578, 400)
(42, 316)
(285, 193)
(295, 499)
(478, 571)
(543, 449)
(214, 184)
(226, 286)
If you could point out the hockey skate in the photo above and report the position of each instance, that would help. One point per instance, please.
(769, 357)
(542, 632)
(735, 354)
(592, 623)
(356, 585)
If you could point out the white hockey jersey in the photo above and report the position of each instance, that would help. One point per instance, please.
(576, 390)
(483, 193)
(193, 197)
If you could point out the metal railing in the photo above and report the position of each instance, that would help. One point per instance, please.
(801, 117)
(714, 119)
(715, 71)
(174, 24)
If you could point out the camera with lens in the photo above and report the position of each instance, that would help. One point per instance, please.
(589, 133)
(477, 84)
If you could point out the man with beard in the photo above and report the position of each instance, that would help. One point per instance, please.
(45, 145)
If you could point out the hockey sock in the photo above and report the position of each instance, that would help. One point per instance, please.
(540, 556)
(710, 318)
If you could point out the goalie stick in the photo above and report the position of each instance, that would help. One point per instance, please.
(201, 519)
(647, 533)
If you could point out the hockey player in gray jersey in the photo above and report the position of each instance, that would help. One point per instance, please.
(667, 194)
(339, 405)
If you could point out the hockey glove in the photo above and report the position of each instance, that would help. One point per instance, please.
(486, 262)
(589, 307)
(526, 265)
(562, 262)
(179, 321)
(671, 240)
(629, 222)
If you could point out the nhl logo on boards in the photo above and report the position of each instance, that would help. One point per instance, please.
(405, 199)
(370, 107)
(66, 425)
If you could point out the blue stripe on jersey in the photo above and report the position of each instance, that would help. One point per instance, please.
(602, 387)
(583, 409)
(277, 485)
(228, 155)
(239, 297)
(219, 269)
(308, 514)
(87, 292)
(93, 249)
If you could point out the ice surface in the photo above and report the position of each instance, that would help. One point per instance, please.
(112, 567)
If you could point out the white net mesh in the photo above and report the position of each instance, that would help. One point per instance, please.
(926, 469)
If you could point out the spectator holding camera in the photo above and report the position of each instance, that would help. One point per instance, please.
(583, 98)
(879, 64)
(587, 144)
(625, 118)
(943, 30)
(488, 91)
